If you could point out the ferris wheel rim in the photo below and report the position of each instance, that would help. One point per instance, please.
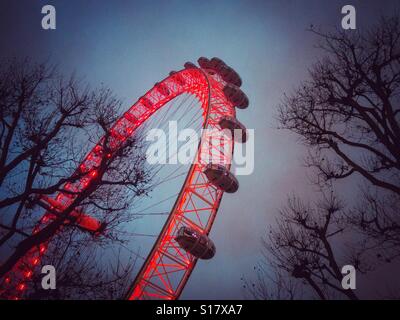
(131, 295)
(193, 74)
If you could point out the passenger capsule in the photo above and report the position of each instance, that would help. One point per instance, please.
(190, 65)
(217, 63)
(235, 95)
(204, 63)
(224, 70)
(221, 177)
(232, 124)
(229, 75)
(195, 243)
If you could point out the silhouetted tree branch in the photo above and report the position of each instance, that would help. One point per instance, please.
(47, 126)
(79, 273)
(347, 114)
(302, 244)
(348, 111)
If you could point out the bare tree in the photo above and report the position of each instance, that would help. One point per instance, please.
(47, 126)
(348, 111)
(82, 271)
(377, 219)
(305, 245)
(347, 114)
(271, 283)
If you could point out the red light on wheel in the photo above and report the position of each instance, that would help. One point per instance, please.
(205, 88)
(21, 286)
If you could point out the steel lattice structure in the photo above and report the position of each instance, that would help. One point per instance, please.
(167, 267)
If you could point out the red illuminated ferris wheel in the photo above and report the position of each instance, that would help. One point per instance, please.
(184, 237)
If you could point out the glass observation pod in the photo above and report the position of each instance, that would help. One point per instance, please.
(230, 75)
(232, 124)
(204, 63)
(235, 95)
(227, 73)
(221, 177)
(216, 63)
(190, 65)
(195, 243)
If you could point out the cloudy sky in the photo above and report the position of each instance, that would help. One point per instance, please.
(129, 45)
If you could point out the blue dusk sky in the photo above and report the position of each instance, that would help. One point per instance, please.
(130, 45)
